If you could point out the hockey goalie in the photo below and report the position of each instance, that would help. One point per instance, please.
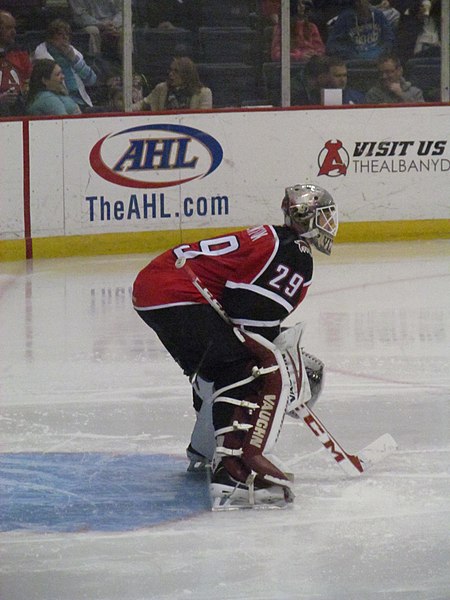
(246, 372)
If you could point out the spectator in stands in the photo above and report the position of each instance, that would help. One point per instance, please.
(29, 14)
(392, 87)
(115, 92)
(77, 74)
(410, 26)
(325, 13)
(361, 32)
(102, 19)
(428, 41)
(305, 40)
(182, 90)
(307, 90)
(15, 69)
(337, 79)
(390, 12)
(270, 10)
(47, 94)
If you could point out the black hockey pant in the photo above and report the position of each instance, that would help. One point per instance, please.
(199, 340)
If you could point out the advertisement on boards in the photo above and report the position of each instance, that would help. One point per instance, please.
(147, 174)
(203, 170)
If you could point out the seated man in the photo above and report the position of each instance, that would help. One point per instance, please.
(15, 69)
(102, 20)
(29, 14)
(306, 89)
(337, 79)
(392, 87)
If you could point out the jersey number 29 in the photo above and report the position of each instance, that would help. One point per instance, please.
(285, 281)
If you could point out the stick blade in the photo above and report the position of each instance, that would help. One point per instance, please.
(377, 451)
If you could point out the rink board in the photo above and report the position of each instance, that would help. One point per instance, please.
(174, 177)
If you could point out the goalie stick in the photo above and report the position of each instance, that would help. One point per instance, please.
(351, 464)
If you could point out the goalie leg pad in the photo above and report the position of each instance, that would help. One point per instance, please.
(252, 427)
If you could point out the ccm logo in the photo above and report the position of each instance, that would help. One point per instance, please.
(329, 444)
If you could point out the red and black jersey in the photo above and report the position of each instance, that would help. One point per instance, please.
(15, 70)
(259, 275)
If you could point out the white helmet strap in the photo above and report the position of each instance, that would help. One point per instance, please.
(311, 233)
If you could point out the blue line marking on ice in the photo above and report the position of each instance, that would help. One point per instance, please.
(69, 492)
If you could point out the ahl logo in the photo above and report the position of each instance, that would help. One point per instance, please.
(333, 159)
(155, 156)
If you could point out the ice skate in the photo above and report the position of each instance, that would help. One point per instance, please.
(229, 494)
(197, 462)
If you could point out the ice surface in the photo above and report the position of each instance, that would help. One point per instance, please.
(95, 503)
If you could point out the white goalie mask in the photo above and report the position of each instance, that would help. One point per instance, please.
(312, 213)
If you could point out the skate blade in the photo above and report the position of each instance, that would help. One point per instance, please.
(198, 466)
(220, 506)
(223, 499)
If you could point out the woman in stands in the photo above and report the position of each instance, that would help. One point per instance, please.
(305, 40)
(47, 93)
(182, 90)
